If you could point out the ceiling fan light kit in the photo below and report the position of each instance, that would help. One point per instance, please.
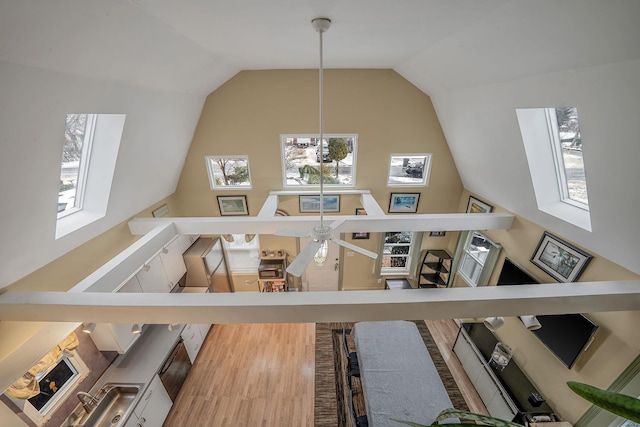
(317, 249)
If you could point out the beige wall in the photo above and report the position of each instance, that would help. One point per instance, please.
(248, 113)
(616, 343)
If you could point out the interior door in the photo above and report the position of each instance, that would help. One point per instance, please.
(323, 278)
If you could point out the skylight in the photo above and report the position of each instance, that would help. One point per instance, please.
(90, 151)
(554, 149)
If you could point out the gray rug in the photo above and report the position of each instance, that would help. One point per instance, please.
(331, 405)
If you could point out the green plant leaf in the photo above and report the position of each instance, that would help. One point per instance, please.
(620, 404)
(454, 413)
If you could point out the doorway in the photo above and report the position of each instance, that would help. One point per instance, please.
(326, 277)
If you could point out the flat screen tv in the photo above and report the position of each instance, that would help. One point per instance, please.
(511, 274)
(566, 335)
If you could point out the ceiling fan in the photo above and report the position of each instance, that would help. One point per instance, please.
(317, 248)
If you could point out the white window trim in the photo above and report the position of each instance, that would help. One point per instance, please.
(212, 178)
(248, 252)
(87, 146)
(409, 268)
(487, 266)
(317, 136)
(534, 127)
(426, 170)
(558, 160)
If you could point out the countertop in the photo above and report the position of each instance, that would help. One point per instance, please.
(144, 359)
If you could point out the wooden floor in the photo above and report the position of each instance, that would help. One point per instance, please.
(263, 375)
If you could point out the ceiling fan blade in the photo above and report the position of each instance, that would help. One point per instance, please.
(354, 247)
(291, 232)
(303, 259)
(336, 224)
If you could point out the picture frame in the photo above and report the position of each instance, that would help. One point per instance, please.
(559, 259)
(404, 202)
(160, 211)
(478, 206)
(360, 236)
(437, 233)
(330, 203)
(233, 205)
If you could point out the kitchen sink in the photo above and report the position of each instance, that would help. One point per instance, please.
(115, 404)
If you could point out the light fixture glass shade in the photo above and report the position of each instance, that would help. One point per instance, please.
(493, 323)
(228, 237)
(249, 237)
(136, 329)
(321, 256)
(531, 322)
(87, 328)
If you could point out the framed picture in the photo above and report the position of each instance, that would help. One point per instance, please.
(437, 233)
(160, 211)
(404, 202)
(559, 259)
(233, 205)
(360, 211)
(478, 206)
(330, 203)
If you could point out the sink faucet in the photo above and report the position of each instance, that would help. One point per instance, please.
(86, 404)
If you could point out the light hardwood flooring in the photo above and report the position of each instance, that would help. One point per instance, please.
(263, 375)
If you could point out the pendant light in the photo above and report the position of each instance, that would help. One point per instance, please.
(321, 25)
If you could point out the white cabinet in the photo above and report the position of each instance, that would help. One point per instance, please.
(186, 240)
(192, 341)
(173, 263)
(152, 277)
(117, 336)
(486, 384)
(153, 408)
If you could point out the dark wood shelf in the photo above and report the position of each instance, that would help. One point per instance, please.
(434, 270)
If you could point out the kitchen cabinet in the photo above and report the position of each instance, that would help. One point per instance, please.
(173, 263)
(117, 336)
(206, 266)
(152, 277)
(193, 339)
(185, 241)
(153, 408)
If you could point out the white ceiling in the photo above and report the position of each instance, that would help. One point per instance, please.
(194, 45)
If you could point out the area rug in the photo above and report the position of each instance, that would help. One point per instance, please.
(331, 393)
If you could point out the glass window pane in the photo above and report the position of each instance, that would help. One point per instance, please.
(229, 172)
(74, 141)
(302, 154)
(409, 169)
(571, 146)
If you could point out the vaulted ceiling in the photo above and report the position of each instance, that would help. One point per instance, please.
(478, 60)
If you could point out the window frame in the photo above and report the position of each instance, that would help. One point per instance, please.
(210, 160)
(488, 264)
(326, 136)
(426, 169)
(416, 240)
(558, 160)
(83, 166)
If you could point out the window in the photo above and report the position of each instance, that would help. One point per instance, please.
(228, 172)
(397, 252)
(475, 258)
(302, 155)
(567, 149)
(554, 148)
(76, 152)
(409, 170)
(242, 252)
(56, 385)
(88, 164)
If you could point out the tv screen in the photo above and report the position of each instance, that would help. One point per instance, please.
(511, 274)
(566, 335)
